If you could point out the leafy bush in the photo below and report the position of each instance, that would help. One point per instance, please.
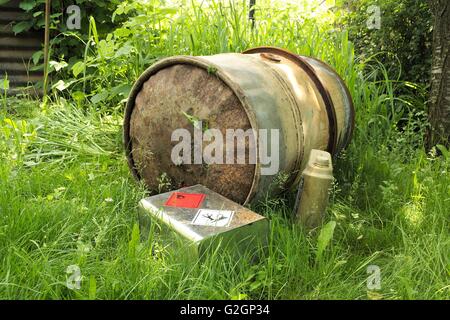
(65, 45)
(403, 42)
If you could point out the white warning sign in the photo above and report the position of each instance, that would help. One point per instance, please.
(213, 218)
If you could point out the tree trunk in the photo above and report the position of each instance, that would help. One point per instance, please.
(251, 12)
(439, 108)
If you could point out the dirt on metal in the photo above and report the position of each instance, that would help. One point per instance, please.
(161, 107)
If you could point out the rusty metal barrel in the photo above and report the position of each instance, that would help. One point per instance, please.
(261, 88)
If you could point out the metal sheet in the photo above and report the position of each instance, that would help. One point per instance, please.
(245, 231)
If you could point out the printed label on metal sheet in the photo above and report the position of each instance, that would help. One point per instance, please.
(213, 218)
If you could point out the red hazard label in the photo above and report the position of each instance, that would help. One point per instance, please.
(185, 200)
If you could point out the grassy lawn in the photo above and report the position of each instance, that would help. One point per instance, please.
(390, 205)
(68, 198)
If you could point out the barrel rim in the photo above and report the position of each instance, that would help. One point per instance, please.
(204, 64)
(350, 98)
(302, 63)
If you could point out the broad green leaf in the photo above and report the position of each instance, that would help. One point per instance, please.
(134, 241)
(37, 67)
(168, 10)
(445, 152)
(124, 50)
(78, 68)
(122, 32)
(22, 26)
(239, 296)
(325, 236)
(140, 19)
(55, 15)
(330, 3)
(27, 5)
(93, 28)
(10, 122)
(118, 11)
(4, 84)
(37, 56)
(58, 65)
(106, 49)
(61, 85)
(78, 96)
(100, 97)
(92, 288)
(122, 89)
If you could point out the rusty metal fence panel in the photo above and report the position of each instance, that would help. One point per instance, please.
(16, 50)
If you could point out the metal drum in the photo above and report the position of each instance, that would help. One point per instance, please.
(261, 88)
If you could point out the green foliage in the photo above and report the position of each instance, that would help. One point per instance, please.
(66, 134)
(101, 9)
(134, 241)
(325, 236)
(4, 86)
(15, 138)
(66, 46)
(403, 42)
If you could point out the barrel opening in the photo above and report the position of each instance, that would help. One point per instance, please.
(175, 97)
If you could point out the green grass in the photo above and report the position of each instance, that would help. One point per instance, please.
(67, 197)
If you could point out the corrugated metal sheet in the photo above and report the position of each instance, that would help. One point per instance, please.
(16, 50)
